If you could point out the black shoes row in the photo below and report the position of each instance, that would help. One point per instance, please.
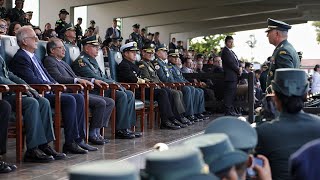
(98, 140)
(127, 134)
(182, 122)
(6, 167)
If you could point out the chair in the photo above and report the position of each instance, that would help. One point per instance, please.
(113, 57)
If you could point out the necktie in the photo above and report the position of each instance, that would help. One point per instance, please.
(43, 74)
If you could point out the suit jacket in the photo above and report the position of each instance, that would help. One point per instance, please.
(109, 33)
(172, 46)
(230, 65)
(60, 70)
(22, 66)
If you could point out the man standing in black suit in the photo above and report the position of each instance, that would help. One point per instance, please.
(101, 107)
(113, 32)
(230, 64)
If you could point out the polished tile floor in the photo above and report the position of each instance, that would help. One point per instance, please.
(130, 150)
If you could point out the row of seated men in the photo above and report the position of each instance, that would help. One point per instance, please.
(27, 68)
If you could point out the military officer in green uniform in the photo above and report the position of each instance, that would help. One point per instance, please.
(198, 94)
(165, 75)
(87, 66)
(281, 137)
(135, 35)
(69, 34)
(16, 13)
(284, 56)
(149, 72)
(61, 23)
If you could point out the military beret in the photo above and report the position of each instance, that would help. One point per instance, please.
(131, 46)
(64, 11)
(93, 40)
(217, 151)
(241, 134)
(92, 22)
(290, 82)
(104, 170)
(136, 26)
(173, 52)
(149, 48)
(279, 25)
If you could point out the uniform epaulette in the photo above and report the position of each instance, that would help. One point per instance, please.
(141, 66)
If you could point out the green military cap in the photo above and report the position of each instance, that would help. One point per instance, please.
(173, 52)
(217, 151)
(130, 46)
(279, 25)
(149, 48)
(290, 82)
(163, 47)
(175, 163)
(93, 40)
(64, 11)
(240, 133)
(104, 170)
(136, 26)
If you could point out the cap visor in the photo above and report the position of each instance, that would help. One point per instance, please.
(228, 160)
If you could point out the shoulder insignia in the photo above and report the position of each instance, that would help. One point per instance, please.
(141, 66)
(81, 63)
(157, 67)
(282, 52)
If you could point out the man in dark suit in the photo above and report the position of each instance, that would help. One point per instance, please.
(113, 32)
(28, 67)
(172, 44)
(36, 117)
(101, 106)
(230, 64)
(87, 66)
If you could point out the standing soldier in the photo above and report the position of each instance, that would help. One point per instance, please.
(61, 23)
(79, 32)
(284, 56)
(16, 13)
(135, 36)
(3, 10)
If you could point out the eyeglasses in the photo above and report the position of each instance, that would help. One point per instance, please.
(3, 26)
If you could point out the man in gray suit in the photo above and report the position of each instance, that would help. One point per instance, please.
(37, 120)
(101, 106)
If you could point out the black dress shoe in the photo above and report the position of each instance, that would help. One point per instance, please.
(203, 116)
(184, 120)
(178, 123)
(50, 151)
(96, 140)
(198, 117)
(193, 118)
(86, 146)
(36, 155)
(136, 134)
(73, 148)
(4, 167)
(103, 139)
(12, 166)
(169, 125)
(124, 134)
